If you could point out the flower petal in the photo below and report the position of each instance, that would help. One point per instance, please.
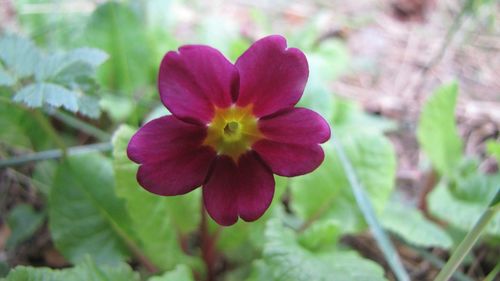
(194, 80)
(256, 187)
(245, 189)
(173, 160)
(297, 125)
(289, 160)
(163, 138)
(272, 76)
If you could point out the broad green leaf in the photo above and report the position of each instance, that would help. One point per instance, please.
(321, 236)
(5, 78)
(91, 56)
(437, 131)
(458, 212)
(85, 216)
(89, 106)
(180, 273)
(19, 55)
(157, 220)
(87, 270)
(493, 148)
(413, 227)
(39, 94)
(114, 28)
(326, 193)
(43, 176)
(23, 221)
(288, 260)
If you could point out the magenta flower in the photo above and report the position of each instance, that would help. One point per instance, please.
(232, 127)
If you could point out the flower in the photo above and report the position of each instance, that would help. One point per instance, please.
(231, 128)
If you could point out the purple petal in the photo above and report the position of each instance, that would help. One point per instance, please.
(289, 160)
(244, 190)
(272, 76)
(256, 187)
(297, 125)
(194, 80)
(172, 159)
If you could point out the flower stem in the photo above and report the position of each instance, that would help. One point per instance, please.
(80, 125)
(54, 154)
(208, 241)
(470, 239)
(368, 212)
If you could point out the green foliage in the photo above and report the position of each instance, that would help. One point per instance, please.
(85, 217)
(413, 227)
(461, 213)
(287, 260)
(115, 28)
(167, 217)
(19, 55)
(57, 79)
(321, 236)
(180, 273)
(326, 192)
(84, 271)
(493, 148)
(437, 132)
(23, 221)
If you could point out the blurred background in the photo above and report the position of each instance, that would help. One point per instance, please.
(411, 88)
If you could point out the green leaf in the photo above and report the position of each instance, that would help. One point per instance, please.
(91, 56)
(158, 225)
(493, 149)
(289, 261)
(39, 94)
(114, 28)
(5, 78)
(437, 132)
(458, 212)
(180, 273)
(23, 222)
(43, 176)
(19, 55)
(413, 227)
(321, 236)
(326, 193)
(85, 216)
(87, 270)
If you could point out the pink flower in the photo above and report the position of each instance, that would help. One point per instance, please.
(232, 127)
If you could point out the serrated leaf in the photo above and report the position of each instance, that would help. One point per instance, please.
(156, 226)
(87, 270)
(327, 193)
(437, 132)
(5, 78)
(117, 30)
(23, 221)
(413, 227)
(460, 213)
(89, 106)
(19, 55)
(289, 261)
(91, 56)
(180, 273)
(85, 216)
(39, 94)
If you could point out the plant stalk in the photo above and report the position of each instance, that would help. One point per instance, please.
(470, 239)
(368, 212)
(54, 154)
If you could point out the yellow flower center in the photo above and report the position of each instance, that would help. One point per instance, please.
(232, 131)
